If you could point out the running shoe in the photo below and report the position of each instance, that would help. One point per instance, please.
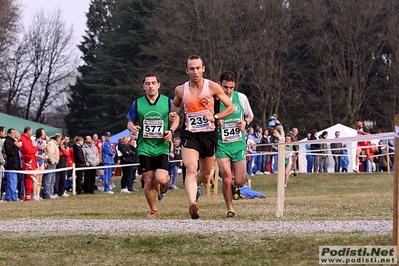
(194, 211)
(198, 194)
(230, 214)
(160, 197)
(236, 193)
(152, 214)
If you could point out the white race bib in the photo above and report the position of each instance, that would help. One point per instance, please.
(198, 123)
(153, 129)
(231, 133)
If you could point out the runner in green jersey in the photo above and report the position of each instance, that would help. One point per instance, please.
(148, 117)
(231, 149)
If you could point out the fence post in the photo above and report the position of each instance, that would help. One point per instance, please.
(395, 234)
(280, 177)
(387, 157)
(73, 179)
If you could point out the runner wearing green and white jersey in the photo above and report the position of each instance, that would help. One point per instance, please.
(231, 149)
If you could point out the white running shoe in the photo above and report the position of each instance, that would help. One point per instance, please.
(125, 191)
(109, 192)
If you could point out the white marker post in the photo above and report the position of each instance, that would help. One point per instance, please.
(73, 179)
(395, 233)
(280, 177)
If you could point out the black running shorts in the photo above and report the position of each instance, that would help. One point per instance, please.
(203, 142)
(153, 163)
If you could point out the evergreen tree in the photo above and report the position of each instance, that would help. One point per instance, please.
(111, 77)
(84, 103)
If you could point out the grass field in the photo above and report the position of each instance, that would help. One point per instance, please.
(308, 197)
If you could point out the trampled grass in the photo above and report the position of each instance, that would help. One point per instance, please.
(308, 197)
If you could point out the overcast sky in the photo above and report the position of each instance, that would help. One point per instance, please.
(73, 12)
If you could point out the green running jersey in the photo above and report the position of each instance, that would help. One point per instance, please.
(231, 138)
(154, 122)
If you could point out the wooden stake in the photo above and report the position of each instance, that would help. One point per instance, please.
(280, 178)
(396, 186)
(387, 156)
(73, 179)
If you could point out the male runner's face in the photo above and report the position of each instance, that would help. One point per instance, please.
(195, 70)
(151, 86)
(228, 87)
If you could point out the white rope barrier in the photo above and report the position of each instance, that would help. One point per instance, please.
(358, 138)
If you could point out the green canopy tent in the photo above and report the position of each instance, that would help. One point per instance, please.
(9, 121)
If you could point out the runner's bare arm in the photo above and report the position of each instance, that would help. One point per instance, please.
(175, 123)
(176, 103)
(216, 90)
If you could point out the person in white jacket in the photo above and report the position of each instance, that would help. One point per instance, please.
(92, 159)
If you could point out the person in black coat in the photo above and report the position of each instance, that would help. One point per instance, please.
(315, 148)
(79, 162)
(11, 148)
(125, 158)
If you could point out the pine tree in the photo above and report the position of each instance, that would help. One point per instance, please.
(111, 78)
(84, 104)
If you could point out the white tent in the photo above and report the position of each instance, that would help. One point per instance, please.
(351, 147)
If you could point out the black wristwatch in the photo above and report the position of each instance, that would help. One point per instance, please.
(246, 123)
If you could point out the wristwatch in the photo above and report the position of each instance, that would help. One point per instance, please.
(216, 117)
(246, 123)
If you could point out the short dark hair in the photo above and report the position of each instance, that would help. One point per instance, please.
(39, 132)
(1, 128)
(9, 130)
(27, 128)
(56, 136)
(227, 76)
(150, 75)
(192, 57)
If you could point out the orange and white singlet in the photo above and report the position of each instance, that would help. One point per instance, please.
(196, 106)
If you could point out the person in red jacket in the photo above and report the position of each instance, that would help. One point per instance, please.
(28, 151)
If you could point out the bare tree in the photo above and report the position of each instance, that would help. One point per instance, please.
(40, 67)
(51, 63)
(16, 71)
(261, 44)
(9, 18)
(358, 39)
(196, 27)
(391, 62)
